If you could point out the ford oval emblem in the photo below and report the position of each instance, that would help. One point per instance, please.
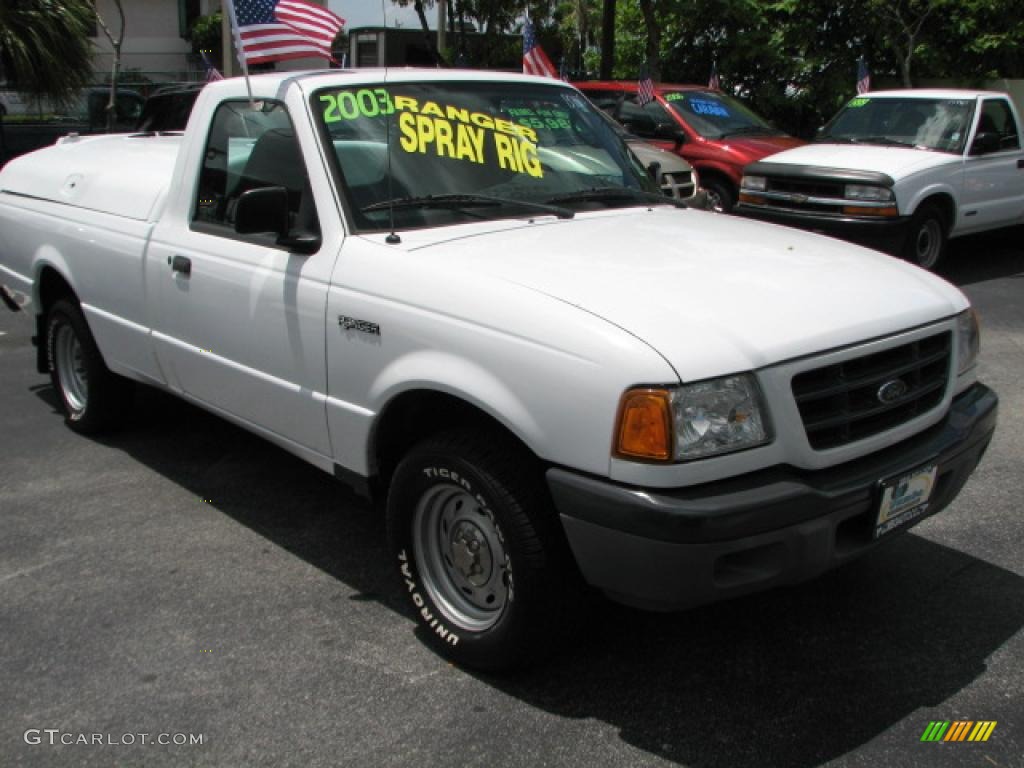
(892, 391)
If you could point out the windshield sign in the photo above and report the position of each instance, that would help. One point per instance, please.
(715, 116)
(429, 154)
(936, 124)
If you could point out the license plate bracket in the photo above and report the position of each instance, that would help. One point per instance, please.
(904, 498)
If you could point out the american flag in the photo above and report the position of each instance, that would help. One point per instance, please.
(275, 30)
(713, 81)
(645, 86)
(863, 77)
(535, 61)
(212, 73)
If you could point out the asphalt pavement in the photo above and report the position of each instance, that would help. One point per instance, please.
(185, 580)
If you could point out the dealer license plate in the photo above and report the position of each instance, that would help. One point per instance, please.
(904, 498)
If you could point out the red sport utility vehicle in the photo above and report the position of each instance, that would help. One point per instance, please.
(714, 132)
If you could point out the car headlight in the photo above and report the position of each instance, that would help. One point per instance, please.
(868, 192)
(754, 183)
(693, 421)
(968, 340)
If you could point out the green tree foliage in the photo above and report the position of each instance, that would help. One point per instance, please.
(44, 47)
(794, 61)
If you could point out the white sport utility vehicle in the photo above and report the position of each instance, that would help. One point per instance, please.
(901, 170)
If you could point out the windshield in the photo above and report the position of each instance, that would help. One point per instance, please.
(937, 124)
(716, 116)
(418, 152)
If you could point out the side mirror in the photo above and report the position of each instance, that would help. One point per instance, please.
(654, 171)
(670, 133)
(985, 143)
(262, 210)
(266, 210)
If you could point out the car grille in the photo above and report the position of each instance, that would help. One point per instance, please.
(678, 184)
(809, 187)
(801, 189)
(842, 403)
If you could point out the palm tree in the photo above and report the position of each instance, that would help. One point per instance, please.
(44, 47)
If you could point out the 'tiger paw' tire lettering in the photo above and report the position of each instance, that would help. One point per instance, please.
(478, 549)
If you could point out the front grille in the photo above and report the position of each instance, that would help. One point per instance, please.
(809, 187)
(678, 184)
(840, 403)
(793, 205)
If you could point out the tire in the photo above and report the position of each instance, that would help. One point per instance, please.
(721, 195)
(93, 399)
(926, 239)
(480, 551)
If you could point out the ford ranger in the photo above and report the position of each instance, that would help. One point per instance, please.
(459, 293)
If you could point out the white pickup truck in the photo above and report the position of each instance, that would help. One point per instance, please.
(459, 293)
(900, 170)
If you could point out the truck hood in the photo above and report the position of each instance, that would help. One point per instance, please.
(750, 148)
(897, 162)
(712, 294)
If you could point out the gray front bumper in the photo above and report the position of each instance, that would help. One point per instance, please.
(669, 549)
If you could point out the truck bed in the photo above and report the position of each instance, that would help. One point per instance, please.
(122, 174)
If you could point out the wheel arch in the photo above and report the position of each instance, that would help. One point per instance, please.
(50, 286)
(943, 199)
(413, 415)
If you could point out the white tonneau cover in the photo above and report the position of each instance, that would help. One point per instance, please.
(123, 174)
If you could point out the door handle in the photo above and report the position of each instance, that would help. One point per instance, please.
(180, 264)
(1020, 163)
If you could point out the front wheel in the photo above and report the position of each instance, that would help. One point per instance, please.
(92, 397)
(926, 239)
(478, 550)
(721, 195)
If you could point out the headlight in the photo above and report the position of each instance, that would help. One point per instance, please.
(754, 183)
(968, 340)
(693, 421)
(867, 192)
(718, 416)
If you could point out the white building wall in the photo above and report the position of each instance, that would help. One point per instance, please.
(152, 42)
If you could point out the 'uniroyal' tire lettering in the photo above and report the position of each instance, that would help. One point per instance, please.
(440, 629)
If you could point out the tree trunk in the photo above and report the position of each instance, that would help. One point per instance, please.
(653, 39)
(427, 37)
(607, 39)
(116, 68)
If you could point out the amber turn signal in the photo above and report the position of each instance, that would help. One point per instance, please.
(645, 425)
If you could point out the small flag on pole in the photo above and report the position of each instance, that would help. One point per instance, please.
(535, 61)
(713, 81)
(645, 86)
(212, 73)
(277, 30)
(863, 76)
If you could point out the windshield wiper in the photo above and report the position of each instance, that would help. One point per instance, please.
(599, 194)
(883, 140)
(456, 201)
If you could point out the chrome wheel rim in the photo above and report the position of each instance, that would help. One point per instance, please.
(927, 243)
(71, 372)
(462, 557)
(715, 202)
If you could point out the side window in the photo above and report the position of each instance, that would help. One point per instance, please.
(997, 118)
(251, 148)
(644, 120)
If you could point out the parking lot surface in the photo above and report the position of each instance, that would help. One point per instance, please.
(185, 579)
